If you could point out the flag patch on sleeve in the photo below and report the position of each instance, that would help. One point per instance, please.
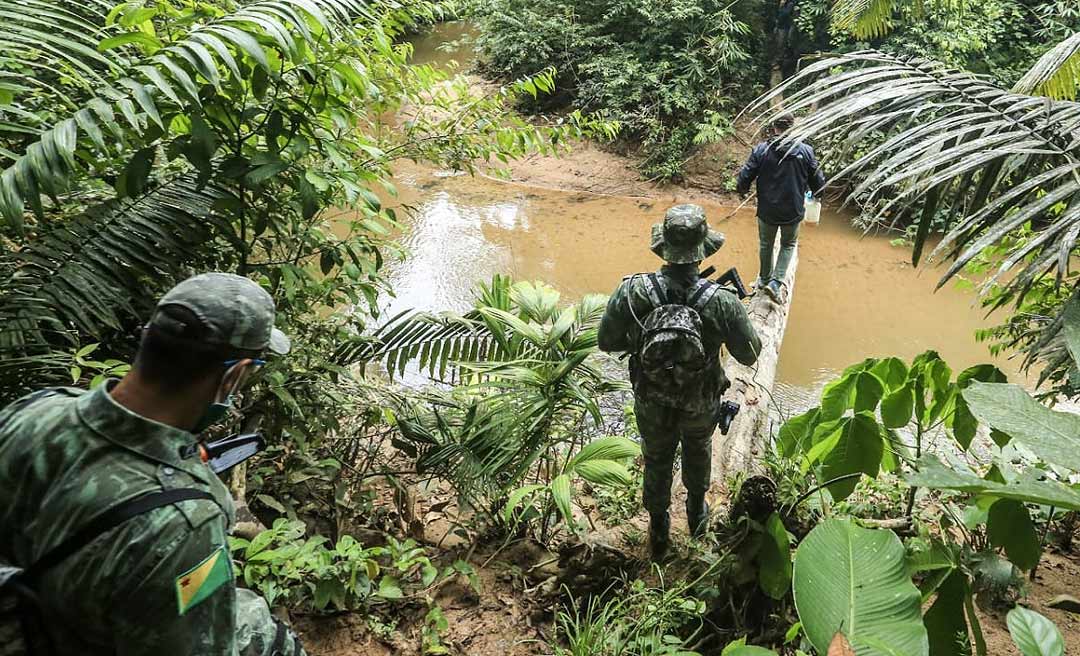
(199, 582)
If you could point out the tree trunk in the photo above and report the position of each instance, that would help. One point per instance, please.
(751, 387)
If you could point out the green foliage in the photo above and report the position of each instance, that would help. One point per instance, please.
(1033, 634)
(598, 462)
(288, 569)
(1028, 487)
(927, 141)
(1056, 74)
(519, 420)
(874, 18)
(82, 365)
(740, 648)
(774, 558)
(1053, 436)
(853, 580)
(660, 69)
(638, 621)
(855, 430)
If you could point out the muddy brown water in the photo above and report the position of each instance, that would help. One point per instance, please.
(856, 295)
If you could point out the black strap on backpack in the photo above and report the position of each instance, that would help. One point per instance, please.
(107, 521)
(27, 614)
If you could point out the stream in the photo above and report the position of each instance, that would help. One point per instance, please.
(855, 296)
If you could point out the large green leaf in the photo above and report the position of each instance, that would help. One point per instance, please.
(607, 473)
(892, 371)
(854, 580)
(607, 448)
(898, 406)
(561, 492)
(774, 559)
(944, 620)
(858, 448)
(838, 396)
(1033, 634)
(963, 423)
(1053, 436)
(931, 473)
(868, 391)
(794, 435)
(1009, 527)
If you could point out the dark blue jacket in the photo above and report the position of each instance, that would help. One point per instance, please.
(782, 180)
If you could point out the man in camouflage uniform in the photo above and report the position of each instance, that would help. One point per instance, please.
(664, 421)
(160, 583)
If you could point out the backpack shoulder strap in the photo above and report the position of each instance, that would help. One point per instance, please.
(702, 294)
(653, 287)
(108, 520)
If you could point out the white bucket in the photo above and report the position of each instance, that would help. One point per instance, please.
(813, 212)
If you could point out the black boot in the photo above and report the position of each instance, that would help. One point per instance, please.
(697, 516)
(659, 536)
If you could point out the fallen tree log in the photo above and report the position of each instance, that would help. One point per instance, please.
(741, 450)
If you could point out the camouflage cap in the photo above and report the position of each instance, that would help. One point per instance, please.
(684, 236)
(234, 312)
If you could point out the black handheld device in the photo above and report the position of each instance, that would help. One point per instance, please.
(728, 411)
(224, 454)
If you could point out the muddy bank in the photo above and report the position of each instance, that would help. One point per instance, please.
(597, 169)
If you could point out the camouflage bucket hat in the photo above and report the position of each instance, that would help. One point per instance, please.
(684, 236)
(235, 312)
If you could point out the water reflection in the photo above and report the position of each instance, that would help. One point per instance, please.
(855, 296)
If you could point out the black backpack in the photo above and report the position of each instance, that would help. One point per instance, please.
(22, 628)
(673, 368)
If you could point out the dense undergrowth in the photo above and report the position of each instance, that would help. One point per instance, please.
(676, 74)
(156, 139)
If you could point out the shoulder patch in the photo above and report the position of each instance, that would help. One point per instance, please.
(199, 582)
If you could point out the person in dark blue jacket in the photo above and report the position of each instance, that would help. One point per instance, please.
(784, 174)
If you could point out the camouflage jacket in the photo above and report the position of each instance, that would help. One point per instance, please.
(724, 323)
(162, 582)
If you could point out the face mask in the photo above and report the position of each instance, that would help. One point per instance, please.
(215, 412)
(219, 410)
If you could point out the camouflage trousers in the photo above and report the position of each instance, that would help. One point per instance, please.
(257, 629)
(662, 430)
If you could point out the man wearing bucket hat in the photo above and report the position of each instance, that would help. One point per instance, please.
(674, 323)
(111, 519)
(785, 175)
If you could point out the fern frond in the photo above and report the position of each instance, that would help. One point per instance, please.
(58, 41)
(168, 79)
(438, 341)
(83, 274)
(1056, 74)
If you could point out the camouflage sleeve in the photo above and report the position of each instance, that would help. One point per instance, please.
(613, 335)
(740, 337)
(177, 595)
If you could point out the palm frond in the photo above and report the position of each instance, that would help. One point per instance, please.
(1056, 74)
(872, 19)
(990, 160)
(863, 18)
(57, 42)
(436, 341)
(168, 79)
(83, 275)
